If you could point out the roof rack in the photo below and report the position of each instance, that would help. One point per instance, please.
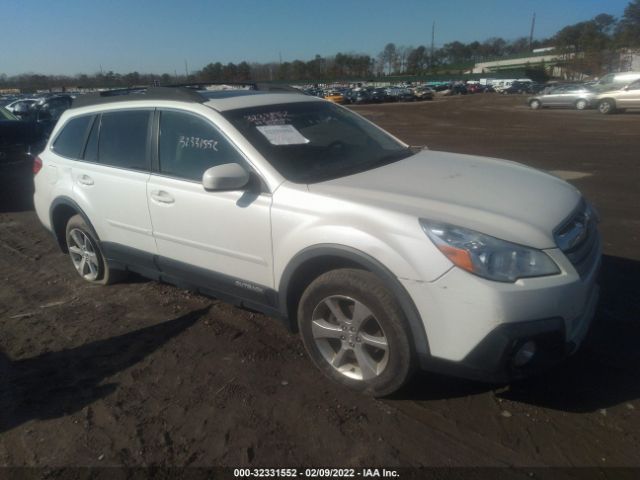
(186, 92)
(139, 93)
(260, 86)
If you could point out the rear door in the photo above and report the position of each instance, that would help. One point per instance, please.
(221, 239)
(110, 184)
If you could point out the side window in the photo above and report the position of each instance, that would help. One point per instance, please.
(635, 85)
(189, 145)
(71, 139)
(123, 139)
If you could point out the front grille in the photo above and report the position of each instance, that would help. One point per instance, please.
(579, 240)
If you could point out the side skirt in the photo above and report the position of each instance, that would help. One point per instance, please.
(233, 290)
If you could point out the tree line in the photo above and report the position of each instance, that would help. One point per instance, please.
(592, 46)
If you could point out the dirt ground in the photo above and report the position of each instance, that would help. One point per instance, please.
(142, 373)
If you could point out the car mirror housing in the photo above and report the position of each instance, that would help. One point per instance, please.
(228, 176)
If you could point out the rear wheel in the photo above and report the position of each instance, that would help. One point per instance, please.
(355, 332)
(607, 106)
(86, 254)
(535, 104)
(582, 104)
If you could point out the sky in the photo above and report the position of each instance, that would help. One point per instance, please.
(68, 37)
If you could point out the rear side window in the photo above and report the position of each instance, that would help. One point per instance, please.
(189, 145)
(71, 139)
(123, 139)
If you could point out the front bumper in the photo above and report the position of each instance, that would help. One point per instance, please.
(475, 326)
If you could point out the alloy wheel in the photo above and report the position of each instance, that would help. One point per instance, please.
(350, 338)
(83, 254)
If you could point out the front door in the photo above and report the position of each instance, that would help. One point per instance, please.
(222, 239)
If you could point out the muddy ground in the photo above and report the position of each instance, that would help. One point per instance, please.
(142, 373)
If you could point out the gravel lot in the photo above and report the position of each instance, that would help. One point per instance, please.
(146, 374)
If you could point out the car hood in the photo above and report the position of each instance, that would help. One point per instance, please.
(500, 198)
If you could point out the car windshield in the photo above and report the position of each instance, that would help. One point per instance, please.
(310, 142)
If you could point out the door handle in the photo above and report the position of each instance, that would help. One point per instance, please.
(85, 180)
(161, 196)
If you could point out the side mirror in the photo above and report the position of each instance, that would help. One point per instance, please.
(228, 176)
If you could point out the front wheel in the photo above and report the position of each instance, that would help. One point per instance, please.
(607, 107)
(535, 104)
(355, 332)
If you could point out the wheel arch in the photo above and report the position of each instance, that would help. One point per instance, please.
(313, 261)
(61, 210)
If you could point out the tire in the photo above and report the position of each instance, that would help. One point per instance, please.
(371, 350)
(582, 104)
(607, 106)
(535, 104)
(86, 254)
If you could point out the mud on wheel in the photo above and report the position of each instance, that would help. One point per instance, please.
(355, 332)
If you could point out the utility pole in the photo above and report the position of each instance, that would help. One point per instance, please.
(433, 40)
(533, 25)
(186, 70)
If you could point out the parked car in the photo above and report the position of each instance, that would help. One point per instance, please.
(44, 111)
(535, 88)
(17, 138)
(358, 96)
(380, 95)
(22, 104)
(423, 93)
(619, 100)
(573, 96)
(335, 97)
(382, 258)
(405, 95)
(517, 87)
(458, 89)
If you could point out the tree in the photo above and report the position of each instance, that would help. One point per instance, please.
(388, 58)
(627, 32)
(244, 72)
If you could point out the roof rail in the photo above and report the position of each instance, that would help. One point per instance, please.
(260, 86)
(140, 93)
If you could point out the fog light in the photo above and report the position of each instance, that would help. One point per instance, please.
(524, 354)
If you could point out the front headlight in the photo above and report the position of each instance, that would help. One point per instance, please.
(487, 256)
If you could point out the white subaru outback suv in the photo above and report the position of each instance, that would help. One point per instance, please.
(384, 259)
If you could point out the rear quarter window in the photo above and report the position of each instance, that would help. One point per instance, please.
(70, 141)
